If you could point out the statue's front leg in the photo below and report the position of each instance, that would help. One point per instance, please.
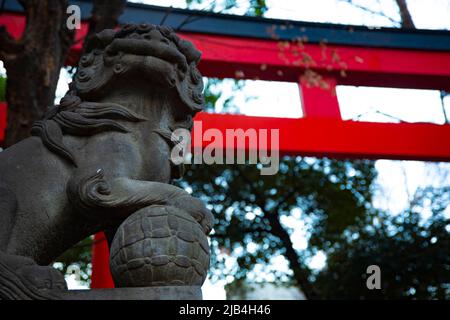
(163, 240)
(114, 199)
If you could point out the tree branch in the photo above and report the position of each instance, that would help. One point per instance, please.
(105, 15)
(300, 272)
(405, 15)
(366, 9)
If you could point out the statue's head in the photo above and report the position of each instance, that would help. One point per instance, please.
(149, 56)
(137, 59)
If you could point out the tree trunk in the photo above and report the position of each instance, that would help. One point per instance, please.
(406, 20)
(105, 15)
(300, 272)
(33, 63)
(277, 229)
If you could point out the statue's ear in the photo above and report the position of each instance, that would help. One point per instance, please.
(189, 51)
(190, 90)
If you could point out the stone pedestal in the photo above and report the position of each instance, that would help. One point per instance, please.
(140, 293)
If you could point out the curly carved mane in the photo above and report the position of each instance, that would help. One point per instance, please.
(76, 117)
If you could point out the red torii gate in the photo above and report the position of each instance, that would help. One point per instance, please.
(414, 59)
(223, 56)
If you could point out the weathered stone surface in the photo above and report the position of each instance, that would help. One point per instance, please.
(99, 156)
(143, 293)
(148, 251)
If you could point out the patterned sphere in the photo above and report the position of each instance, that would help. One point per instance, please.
(159, 246)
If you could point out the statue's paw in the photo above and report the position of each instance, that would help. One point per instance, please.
(40, 277)
(195, 207)
(43, 277)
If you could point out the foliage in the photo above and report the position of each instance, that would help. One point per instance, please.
(411, 252)
(213, 92)
(330, 194)
(79, 256)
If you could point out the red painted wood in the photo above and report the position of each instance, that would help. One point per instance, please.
(101, 275)
(224, 56)
(271, 60)
(344, 139)
(14, 23)
(319, 101)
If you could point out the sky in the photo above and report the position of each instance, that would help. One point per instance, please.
(427, 14)
(397, 180)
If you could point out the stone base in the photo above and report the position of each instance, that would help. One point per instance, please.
(139, 293)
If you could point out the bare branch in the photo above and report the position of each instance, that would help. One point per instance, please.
(207, 9)
(378, 13)
(405, 15)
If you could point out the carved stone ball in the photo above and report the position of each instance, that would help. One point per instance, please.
(159, 246)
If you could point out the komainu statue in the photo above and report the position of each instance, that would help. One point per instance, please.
(101, 161)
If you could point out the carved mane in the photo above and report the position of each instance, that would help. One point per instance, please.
(79, 118)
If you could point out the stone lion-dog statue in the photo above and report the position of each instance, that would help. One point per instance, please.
(99, 156)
